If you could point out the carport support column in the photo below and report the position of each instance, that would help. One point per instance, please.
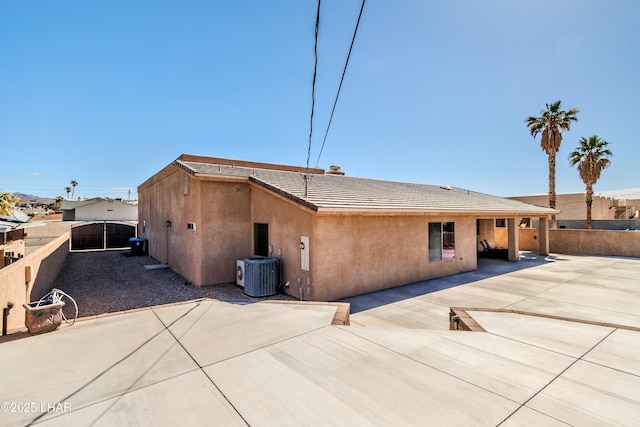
(543, 230)
(514, 246)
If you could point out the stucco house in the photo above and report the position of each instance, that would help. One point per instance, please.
(606, 206)
(336, 235)
(12, 237)
(98, 209)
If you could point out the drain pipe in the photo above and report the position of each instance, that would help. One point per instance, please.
(5, 315)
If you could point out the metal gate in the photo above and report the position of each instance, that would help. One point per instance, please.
(101, 235)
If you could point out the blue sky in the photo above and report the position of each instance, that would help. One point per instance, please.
(107, 93)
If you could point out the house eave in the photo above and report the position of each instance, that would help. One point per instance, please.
(372, 211)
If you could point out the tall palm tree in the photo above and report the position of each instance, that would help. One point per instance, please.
(73, 184)
(68, 190)
(591, 156)
(551, 123)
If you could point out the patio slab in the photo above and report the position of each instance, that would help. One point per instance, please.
(208, 362)
(342, 379)
(187, 399)
(527, 417)
(226, 330)
(571, 338)
(517, 370)
(589, 394)
(569, 309)
(619, 351)
(561, 285)
(411, 313)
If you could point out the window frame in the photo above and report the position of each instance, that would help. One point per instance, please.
(443, 242)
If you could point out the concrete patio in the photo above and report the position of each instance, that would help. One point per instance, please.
(599, 289)
(214, 363)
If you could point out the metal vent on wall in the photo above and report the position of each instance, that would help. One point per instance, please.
(261, 276)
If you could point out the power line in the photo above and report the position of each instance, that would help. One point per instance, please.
(344, 71)
(313, 100)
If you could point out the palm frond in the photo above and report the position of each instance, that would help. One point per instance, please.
(592, 157)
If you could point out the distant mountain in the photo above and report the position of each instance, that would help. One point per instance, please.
(30, 198)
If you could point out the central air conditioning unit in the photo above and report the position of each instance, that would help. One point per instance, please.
(240, 272)
(261, 276)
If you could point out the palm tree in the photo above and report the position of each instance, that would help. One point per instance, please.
(58, 203)
(591, 156)
(73, 184)
(551, 123)
(68, 190)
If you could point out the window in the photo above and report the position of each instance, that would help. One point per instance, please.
(501, 223)
(442, 241)
(261, 239)
(191, 226)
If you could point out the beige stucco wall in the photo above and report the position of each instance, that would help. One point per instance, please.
(161, 201)
(486, 231)
(107, 210)
(43, 265)
(287, 223)
(595, 242)
(574, 206)
(17, 247)
(358, 254)
(579, 242)
(501, 238)
(528, 238)
(355, 254)
(221, 212)
(223, 229)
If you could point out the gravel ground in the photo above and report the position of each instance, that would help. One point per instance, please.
(110, 281)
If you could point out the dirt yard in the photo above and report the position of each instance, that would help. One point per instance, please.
(110, 281)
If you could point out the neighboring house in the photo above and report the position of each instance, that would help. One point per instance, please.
(348, 236)
(98, 209)
(607, 205)
(12, 238)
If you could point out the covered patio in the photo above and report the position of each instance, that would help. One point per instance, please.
(486, 232)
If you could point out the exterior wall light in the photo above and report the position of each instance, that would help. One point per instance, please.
(301, 244)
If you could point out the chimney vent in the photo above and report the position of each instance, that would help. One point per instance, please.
(335, 170)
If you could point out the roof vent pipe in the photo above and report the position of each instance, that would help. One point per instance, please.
(335, 170)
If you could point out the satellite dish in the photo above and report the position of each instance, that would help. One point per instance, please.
(21, 216)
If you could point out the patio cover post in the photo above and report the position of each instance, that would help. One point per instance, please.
(543, 230)
(514, 247)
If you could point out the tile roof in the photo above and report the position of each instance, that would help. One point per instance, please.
(345, 193)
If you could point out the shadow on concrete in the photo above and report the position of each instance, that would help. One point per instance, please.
(486, 268)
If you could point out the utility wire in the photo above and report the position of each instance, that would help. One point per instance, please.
(344, 71)
(313, 96)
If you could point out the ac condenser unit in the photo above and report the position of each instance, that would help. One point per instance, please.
(261, 276)
(240, 272)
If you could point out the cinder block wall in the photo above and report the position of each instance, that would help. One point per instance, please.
(31, 278)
